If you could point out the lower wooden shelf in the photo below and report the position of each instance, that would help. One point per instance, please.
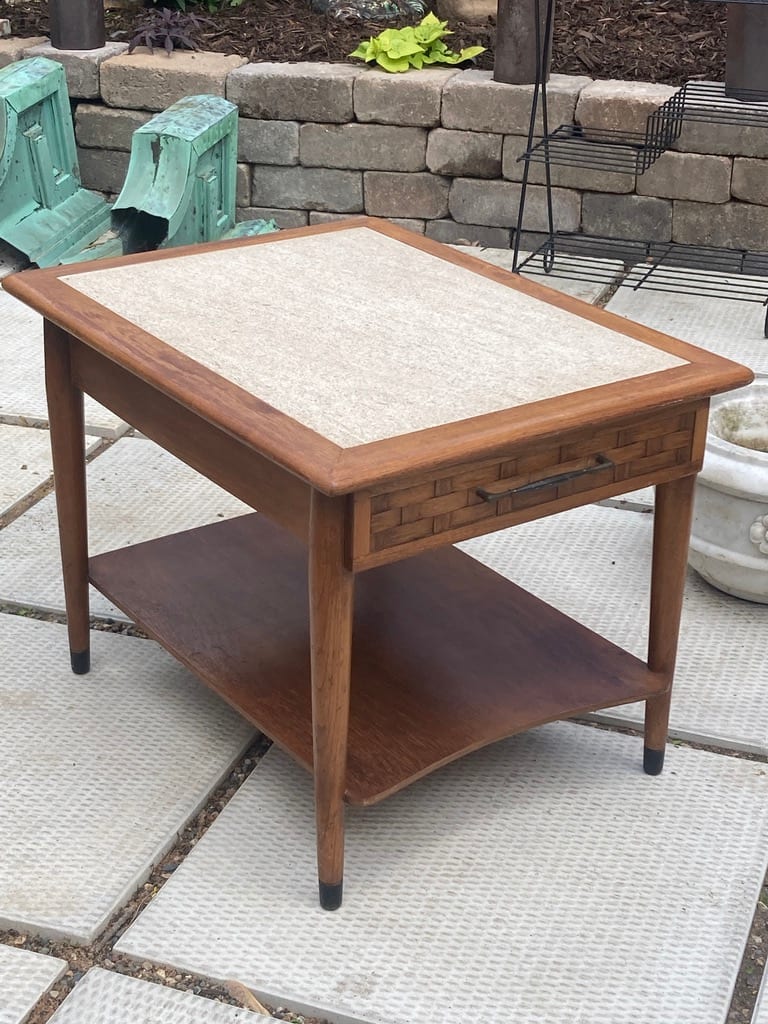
(447, 655)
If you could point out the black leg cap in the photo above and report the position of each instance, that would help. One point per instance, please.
(81, 661)
(653, 761)
(330, 895)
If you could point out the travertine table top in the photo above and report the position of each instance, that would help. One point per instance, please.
(361, 337)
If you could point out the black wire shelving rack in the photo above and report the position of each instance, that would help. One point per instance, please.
(711, 271)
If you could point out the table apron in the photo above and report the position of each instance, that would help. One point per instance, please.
(240, 470)
(526, 482)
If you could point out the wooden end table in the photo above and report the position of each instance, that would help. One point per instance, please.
(378, 397)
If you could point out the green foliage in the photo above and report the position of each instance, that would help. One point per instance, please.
(398, 49)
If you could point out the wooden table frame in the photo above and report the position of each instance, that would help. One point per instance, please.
(369, 507)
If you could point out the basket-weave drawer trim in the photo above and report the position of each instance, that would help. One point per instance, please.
(450, 501)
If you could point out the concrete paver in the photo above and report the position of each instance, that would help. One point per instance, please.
(109, 998)
(99, 772)
(25, 464)
(22, 382)
(732, 329)
(578, 287)
(544, 878)
(594, 564)
(24, 978)
(136, 491)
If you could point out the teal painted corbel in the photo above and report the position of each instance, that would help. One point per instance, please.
(45, 212)
(181, 181)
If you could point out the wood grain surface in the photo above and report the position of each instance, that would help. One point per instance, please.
(447, 655)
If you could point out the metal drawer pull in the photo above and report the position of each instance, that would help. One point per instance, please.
(601, 462)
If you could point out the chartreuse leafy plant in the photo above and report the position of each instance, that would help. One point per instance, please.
(398, 49)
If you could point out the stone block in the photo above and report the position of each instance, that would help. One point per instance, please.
(464, 154)
(473, 12)
(733, 225)
(103, 170)
(307, 188)
(243, 185)
(620, 106)
(268, 142)
(723, 139)
(409, 223)
(563, 176)
(100, 127)
(495, 203)
(12, 49)
(388, 194)
(472, 101)
(401, 99)
(82, 67)
(637, 217)
(750, 180)
(450, 232)
(153, 81)
(294, 92)
(737, 139)
(283, 218)
(5, 27)
(364, 146)
(687, 176)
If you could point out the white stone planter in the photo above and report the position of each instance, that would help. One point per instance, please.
(729, 539)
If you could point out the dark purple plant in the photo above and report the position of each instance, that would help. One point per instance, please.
(168, 29)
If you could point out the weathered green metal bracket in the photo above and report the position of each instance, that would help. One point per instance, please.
(180, 187)
(181, 181)
(45, 213)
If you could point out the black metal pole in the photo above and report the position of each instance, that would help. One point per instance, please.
(746, 63)
(77, 24)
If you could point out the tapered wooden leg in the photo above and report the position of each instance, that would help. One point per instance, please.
(671, 534)
(65, 413)
(331, 590)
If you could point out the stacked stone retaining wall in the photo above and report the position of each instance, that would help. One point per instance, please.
(435, 150)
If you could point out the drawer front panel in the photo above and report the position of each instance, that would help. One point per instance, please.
(484, 494)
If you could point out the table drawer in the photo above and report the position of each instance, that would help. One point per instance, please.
(527, 482)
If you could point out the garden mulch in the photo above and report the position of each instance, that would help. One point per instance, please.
(668, 41)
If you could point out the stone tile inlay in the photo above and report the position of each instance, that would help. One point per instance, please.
(99, 772)
(24, 978)
(594, 564)
(25, 463)
(544, 874)
(732, 329)
(136, 491)
(415, 380)
(106, 998)
(22, 382)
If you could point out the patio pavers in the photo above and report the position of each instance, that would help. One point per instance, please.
(106, 998)
(25, 463)
(22, 382)
(732, 329)
(24, 978)
(593, 563)
(99, 771)
(136, 491)
(578, 287)
(543, 879)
